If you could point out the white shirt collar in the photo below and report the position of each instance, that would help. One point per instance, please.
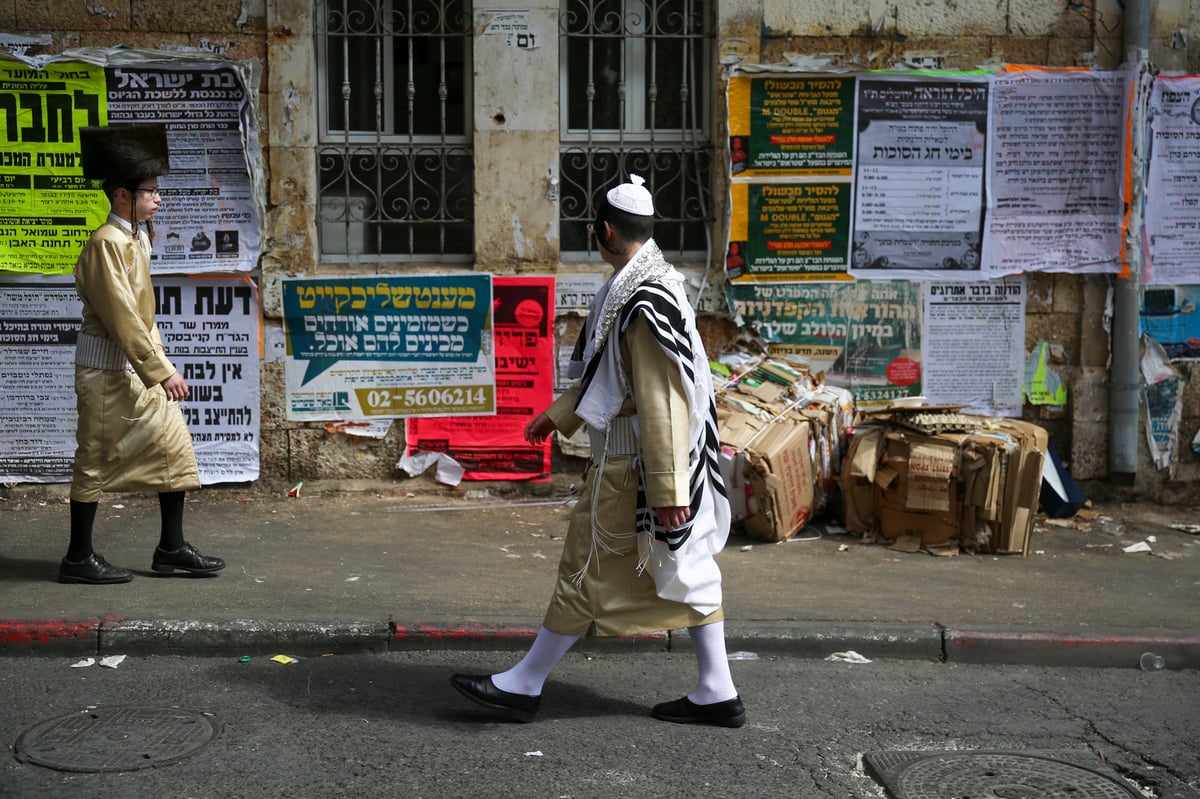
(122, 222)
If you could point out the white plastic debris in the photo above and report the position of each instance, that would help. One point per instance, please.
(1140, 546)
(449, 471)
(83, 664)
(849, 656)
(743, 656)
(112, 661)
(535, 753)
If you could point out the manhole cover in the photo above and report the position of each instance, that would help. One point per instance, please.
(998, 775)
(119, 738)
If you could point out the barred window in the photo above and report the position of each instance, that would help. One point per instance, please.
(635, 99)
(394, 159)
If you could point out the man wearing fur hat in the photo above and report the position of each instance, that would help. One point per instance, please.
(639, 554)
(131, 434)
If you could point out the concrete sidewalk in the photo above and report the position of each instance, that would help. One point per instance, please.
(380, 567)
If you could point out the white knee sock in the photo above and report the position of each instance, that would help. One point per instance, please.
(715, 682)
(529, 675)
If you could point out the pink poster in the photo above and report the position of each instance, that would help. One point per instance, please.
(494, 447)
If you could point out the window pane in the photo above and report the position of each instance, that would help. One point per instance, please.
(427, 84)
(353, 26)
(595, 69)
(672, 93)
(356, 96)
(436, 33)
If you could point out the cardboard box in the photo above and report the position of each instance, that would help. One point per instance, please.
(978, 487)
(776, 471)
(916, 488)
(779, 471)
(733, 473)
(789, 432)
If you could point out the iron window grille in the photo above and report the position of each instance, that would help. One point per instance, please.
(635, 98)
(394, 160)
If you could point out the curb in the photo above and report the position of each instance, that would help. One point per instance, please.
(985, 645)
(1098, 647)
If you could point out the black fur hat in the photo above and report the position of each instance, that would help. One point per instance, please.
(124, 152)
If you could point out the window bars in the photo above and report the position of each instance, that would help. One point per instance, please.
(636, 89)
(395, 162)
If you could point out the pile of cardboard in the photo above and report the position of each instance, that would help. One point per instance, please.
(781, 431)
(942, 480)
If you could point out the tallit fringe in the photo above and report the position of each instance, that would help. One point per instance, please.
(603, 538)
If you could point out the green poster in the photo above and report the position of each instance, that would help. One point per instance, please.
(865, 336)
(789, 228)
(791, 126)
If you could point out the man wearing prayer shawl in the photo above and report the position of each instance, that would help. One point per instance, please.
(639, 554)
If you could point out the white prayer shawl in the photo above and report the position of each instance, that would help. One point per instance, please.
(681, 561)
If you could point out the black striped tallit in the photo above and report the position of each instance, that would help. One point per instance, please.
(654, 301)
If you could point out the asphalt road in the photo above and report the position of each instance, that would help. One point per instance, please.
(390, 725)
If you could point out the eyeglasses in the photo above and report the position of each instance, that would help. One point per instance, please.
(153, 190)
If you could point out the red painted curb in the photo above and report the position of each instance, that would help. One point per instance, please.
(28, 631)
(462, 632)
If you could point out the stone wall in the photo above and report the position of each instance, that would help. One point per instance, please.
(516, 146)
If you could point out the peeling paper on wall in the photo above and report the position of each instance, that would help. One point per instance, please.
(1164, 404)
(1043, 385)
(377, 429)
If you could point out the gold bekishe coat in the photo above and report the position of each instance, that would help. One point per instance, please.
(130, 437)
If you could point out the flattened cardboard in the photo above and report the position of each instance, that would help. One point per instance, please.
(858, 478)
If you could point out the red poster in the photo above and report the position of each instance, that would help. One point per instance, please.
(494, 447)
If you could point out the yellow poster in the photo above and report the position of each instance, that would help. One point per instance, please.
(47, 209)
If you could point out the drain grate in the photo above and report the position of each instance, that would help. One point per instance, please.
(118, 738)
(1002, 775)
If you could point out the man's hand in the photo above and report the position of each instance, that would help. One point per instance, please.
(176, 387)
(673, 518)
(538, 428)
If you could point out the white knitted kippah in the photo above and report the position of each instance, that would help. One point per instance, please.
(632, 197)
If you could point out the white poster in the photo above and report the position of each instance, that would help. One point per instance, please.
(39, 320)
(922, 147)
(974, 345)
(1057, 172)
(210, 329)
(211, 332)
(1173, 184)
(206, 222)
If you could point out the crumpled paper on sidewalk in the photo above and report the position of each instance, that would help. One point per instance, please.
(849, 656)
(1140, 546)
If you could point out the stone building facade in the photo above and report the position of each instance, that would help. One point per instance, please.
(497, 105)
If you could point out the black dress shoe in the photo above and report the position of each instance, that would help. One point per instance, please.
(92, 570)
(481, 689)
(730, 713)
(187, 559)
